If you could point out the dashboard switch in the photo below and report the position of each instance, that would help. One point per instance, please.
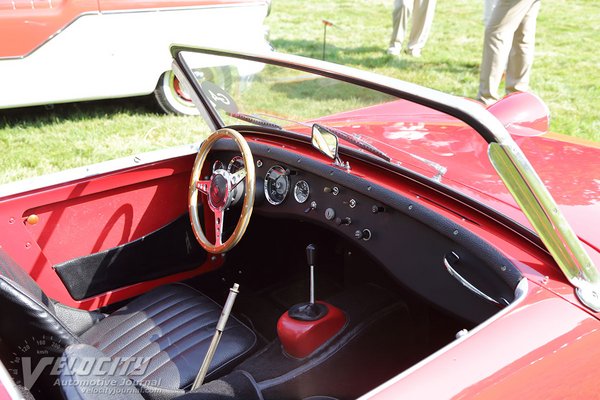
(343, 221)
(313, 206)
(377, 209)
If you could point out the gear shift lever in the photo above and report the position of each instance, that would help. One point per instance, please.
(307, 326)
(310, 311)
(311, 251)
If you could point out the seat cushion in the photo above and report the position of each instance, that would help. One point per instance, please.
(169, 330)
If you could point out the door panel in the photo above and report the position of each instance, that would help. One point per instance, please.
(94, 215)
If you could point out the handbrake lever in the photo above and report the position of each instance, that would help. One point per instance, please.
(217, 336)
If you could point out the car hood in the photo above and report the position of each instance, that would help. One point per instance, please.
(568, 167)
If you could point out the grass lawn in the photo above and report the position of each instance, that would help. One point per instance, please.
(566, 75)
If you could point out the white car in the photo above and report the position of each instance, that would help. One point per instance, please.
(51, 48)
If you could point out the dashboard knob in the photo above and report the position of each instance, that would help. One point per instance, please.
(329, 214)
(327, 189)
(365, 234)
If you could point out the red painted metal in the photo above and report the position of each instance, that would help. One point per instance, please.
(301, 338)
(29, 27)
(543, 348)
(91, 215)
(30, 23)
(523, 113)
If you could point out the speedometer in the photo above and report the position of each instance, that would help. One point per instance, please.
(277, 185)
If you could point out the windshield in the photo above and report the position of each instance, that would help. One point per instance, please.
(283, 95)
(283, 98)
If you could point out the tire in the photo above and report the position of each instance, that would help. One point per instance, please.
(174, 99)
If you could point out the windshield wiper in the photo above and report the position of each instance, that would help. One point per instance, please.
(253, 119)
(357, 141)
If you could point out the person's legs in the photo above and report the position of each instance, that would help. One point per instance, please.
(520, 59)
(421, 25)
(488, 7)
(400, 16)
(498, 38)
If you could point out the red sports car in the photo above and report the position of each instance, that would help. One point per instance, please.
(340, 234)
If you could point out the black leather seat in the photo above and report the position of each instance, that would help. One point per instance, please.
(167, 330)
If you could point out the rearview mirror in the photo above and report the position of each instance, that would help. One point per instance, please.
(325, 141)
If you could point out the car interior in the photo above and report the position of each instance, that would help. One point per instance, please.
(344, 283)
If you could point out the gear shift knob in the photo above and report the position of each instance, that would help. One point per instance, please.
(311, 254)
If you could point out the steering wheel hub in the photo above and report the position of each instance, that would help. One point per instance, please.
(219, 193)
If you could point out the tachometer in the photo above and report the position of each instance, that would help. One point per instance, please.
(277, 185)
(301, 191)
(235, 164)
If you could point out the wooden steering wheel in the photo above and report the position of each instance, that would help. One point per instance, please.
(219, 190)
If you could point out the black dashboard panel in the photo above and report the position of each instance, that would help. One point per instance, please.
(407, 239)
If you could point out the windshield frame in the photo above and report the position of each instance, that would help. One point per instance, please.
(509, 161)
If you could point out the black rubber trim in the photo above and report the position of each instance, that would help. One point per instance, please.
(166, 251)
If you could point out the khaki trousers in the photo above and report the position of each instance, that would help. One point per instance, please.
(422, 17)
(509, 43)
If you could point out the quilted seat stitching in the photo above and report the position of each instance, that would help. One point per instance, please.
(171, 357)
(148, 313)
(165, 334)
(102, 337)
(150, 320)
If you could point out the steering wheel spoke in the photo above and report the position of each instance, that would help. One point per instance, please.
(219, 215)
(203, 186)
(238, 177)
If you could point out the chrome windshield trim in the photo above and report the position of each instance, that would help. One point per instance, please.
(69, 175)
(510, 163)
(520, 293)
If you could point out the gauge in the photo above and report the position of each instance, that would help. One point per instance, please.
(277, 185)
(301, 191)
(217, 165)
(235, 164)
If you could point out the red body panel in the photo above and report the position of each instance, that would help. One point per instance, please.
(31, 23)
(543, 348)
(29, 27)
(301, 338)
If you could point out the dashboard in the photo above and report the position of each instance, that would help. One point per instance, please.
(408, 239)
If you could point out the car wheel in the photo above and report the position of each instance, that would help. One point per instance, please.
(173, 98)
